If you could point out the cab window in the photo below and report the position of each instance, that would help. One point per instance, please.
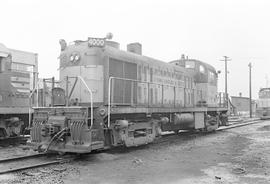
(190, 64)
(211, 76)
(202, 69)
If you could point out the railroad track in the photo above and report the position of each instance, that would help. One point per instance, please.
(13, 141)
(28, 162)
(168, 135)
(42, 159)
(239, 125)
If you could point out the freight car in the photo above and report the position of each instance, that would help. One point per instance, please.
(18, 70)
(110, 97)
(263, 104)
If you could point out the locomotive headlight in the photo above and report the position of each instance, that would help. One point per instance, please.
(77, 58)
(71, 58)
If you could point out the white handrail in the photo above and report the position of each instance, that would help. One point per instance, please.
(109, 102)
(91, 98)
(37, 93)
(133, 80)
(30, 105)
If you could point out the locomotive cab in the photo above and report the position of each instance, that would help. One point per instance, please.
(205, 79)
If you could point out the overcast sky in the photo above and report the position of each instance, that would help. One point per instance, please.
(204, 30)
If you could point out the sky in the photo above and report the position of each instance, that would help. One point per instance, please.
(205, 30)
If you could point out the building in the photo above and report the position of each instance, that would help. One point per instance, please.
(241, 105)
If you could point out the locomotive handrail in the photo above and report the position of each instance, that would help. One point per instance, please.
(30, 104)
(91, 98)
(134, 80)
(139, 81)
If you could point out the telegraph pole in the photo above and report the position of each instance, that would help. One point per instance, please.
(226, 59)
(250, 97)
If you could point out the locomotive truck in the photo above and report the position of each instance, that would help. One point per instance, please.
(110, 97)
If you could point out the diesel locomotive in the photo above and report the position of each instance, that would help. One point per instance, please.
(263, 104)
(110, 97)
(18, 73)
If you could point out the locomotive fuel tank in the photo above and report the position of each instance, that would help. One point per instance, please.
(185, 120)
(181, 121)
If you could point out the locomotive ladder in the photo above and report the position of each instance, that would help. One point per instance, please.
(91, 98)
(90, 92)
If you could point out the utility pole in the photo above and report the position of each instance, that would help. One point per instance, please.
(226, 59)
(250, 97)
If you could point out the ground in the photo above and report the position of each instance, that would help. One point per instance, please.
(239, 155)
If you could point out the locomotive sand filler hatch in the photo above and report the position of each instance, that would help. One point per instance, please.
(112, 97)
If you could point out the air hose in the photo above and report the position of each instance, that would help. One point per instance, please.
(55, 136)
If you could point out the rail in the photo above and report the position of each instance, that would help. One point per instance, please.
(21, 163)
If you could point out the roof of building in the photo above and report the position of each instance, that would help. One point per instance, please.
(240, 97)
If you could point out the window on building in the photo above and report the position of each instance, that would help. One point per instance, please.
(22, 67)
